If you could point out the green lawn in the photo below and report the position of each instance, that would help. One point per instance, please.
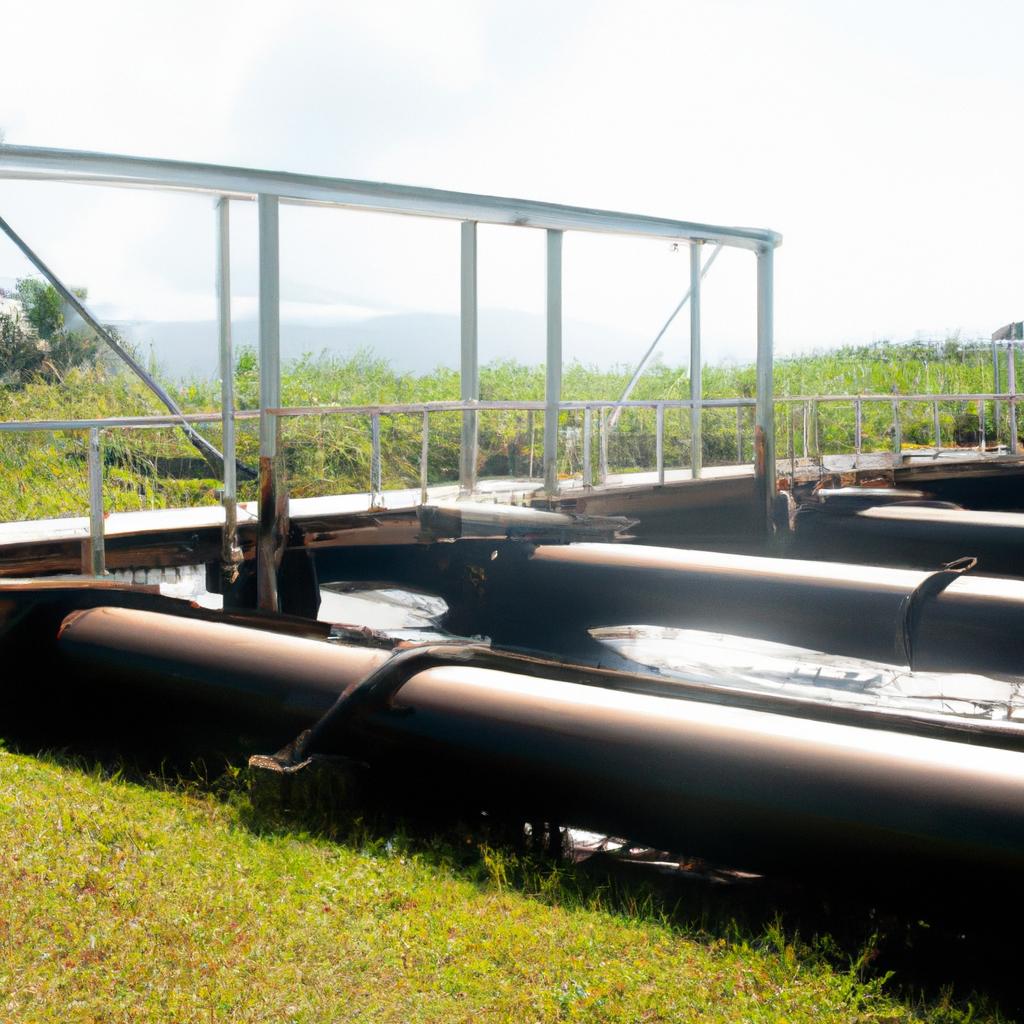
(126, 902)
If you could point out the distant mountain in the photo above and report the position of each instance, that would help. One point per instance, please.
(411, 342)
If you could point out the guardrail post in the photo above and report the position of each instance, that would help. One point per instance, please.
(858, 425)
(553, 374)
(603, 456)
(739, 435)
(996, 408)
(469, 373)
(94, 551)
(936, 425)
(424, 456)
(588, 471)
(806, 421)
(1011, 387)
(273, 503)
(765, 472)
(376, 471)
(897, 428)
(659, 440)
(696, 380)
(981, 426)
(230, 553)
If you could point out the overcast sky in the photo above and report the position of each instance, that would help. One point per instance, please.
(882, 139)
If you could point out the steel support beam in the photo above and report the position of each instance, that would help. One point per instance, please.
(469, 375)
(95, 563)
(273, 499)
(696, 378)
(32, 162)
(1011, 387)
(764, 426)
(553, 360)
(231, 555)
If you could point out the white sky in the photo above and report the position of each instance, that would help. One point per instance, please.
(883, 139)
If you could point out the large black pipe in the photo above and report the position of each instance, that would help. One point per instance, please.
(749, 787)
(911, 536)
(548, 597)
(288, 681)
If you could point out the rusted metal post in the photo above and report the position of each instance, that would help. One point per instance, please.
(696, 380)
(765, 474)
(659, 440)
(588, 440)
(469, 373)
(231, 554)
(94, 560)
(273, 498)
(424, 455)
(553, 372)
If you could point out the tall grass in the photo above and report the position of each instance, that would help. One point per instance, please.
(43, 474)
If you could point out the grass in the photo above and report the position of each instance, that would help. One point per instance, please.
(126, 902)
(44, 474)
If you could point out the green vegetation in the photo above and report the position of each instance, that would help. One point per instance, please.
(124, 902)
(43, 474)
(38, 343)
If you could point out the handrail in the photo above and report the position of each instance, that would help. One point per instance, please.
(38, 162)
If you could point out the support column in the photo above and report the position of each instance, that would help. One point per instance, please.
(231, 554)
(764, 427)
(273, 526)
(696, 378)
(553, 383)
(1011, 387)
(469, 375)
(94, 560)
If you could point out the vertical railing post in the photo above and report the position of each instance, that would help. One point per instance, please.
(602, 468)
(897, 428)
(1011, 387)
(996, 407)
(659, 440)
(696, 379)
(739, 435)
(273, 499)
(230, 555)
(553, 373)
(469, 374)
(764, 429)
(936, 425)
(376, 469)
(981, 426)
(424, 456)
(806, 421)
(588, 430)
(94, 562)
(858, 425)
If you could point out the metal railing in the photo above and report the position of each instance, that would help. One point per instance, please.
(810, 416)
(600, 410)
(271, 189)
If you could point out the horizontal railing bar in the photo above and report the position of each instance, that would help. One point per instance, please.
(393, 409)
(895, 397)
(41, 163)
(127, 422)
